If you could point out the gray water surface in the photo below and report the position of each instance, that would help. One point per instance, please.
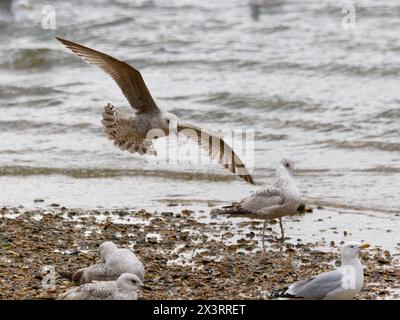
(323, 96)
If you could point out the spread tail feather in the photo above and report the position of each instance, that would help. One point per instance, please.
(119, 127)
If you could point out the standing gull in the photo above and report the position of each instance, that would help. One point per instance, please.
(113, 262)
(131, 132)
(125, 288)
(341, 284)
(271, 203)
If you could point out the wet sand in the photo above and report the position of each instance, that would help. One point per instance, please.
(187, 254)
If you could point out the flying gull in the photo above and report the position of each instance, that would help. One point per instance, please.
(281, 200)
(131, 132)
(113, 262)
(341, 284)
(125, 288)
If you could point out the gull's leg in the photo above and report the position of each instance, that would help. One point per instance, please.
(263, 234)
(282, 232)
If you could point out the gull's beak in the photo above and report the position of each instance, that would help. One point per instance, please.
(29, 6)
(364, 245)
(147, 288)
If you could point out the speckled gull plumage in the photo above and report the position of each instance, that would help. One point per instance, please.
(113, 262)
(125, 288)
(272, 203)
(131, 131)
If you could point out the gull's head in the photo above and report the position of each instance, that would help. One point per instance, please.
(105, 248)
(288, 164)
(23, 4)
(170, 123)
(27, 5)
(129, 282)
(351, 249)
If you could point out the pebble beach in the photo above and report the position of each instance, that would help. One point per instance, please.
(306, 89)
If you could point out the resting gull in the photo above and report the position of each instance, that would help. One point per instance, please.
(113, 262)
(341, 284)
(125, 288)
(271, 203)
(135, 132)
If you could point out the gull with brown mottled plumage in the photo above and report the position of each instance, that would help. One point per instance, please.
(282, 199)
(113, 262)
(124, 288)
(135, 132)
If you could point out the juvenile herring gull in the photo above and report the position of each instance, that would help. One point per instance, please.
(135, 132)
(341, 284)
(113, 262)
(281, 200)
(125, 288)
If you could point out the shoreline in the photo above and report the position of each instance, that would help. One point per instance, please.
(184, 257)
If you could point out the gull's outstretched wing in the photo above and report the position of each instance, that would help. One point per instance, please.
(217, 149)
(128, 79)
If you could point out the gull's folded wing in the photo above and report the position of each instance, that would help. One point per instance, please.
(317, 287)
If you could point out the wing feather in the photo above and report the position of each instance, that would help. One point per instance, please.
(317, 287)
(128, 78)
(217, 149)
(90, 291)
